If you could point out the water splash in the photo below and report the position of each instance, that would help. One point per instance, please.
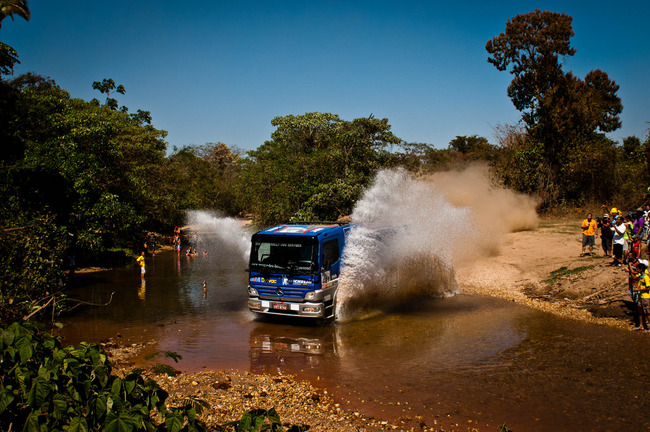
(213, 232)
(404, 247)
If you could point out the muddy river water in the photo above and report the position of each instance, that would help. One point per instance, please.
(465, 360)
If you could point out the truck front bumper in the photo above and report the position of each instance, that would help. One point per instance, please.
(307, 309)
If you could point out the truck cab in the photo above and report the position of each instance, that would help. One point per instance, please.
(294, 269)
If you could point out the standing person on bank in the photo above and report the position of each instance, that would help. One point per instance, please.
(643, 300)
(589, 227)
(618, 240)
(140, 261)
(606, 234)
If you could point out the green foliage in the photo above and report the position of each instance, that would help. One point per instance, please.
(77, 179)
(203, 177)
(308, 158)
(107, 86)
(31, 262)
(47, 387)
(162, 368)
(9, 8)
(563, 113)
(261, 420)
(8, 59)
(474, 148)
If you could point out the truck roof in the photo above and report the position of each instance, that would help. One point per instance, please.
(309, 229)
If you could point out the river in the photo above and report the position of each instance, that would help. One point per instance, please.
(457, 362)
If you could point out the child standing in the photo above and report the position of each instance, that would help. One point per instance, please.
(140, 261)
(643, 300)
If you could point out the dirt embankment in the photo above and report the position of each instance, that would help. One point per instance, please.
(543, 269)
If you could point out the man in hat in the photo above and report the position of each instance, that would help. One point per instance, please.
(606, 234)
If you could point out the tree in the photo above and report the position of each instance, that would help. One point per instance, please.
(8, 55)
(9, 8)
(203, 177)
(563, 113)
(8, 59)
(474, 148)
(107, 86)
(310, 160)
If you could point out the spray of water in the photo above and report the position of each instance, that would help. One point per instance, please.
(412, 232)
(215, 232)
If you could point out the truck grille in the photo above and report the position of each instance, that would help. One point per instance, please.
(281, 293)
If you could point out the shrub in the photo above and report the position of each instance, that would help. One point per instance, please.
(47, 387)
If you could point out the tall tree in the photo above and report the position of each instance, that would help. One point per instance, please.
(563, 113)
(552, 102)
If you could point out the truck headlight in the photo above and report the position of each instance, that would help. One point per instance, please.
(310, 295)
(311, 309)
(254, 304)
(252, 291)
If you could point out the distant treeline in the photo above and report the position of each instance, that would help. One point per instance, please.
(83, 178)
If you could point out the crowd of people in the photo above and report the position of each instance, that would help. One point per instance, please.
(624, 237)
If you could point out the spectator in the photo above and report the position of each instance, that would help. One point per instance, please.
(589, 227)
(627, 246)
(643, 299)
(606, 234)
(618, 240)
(634, 272)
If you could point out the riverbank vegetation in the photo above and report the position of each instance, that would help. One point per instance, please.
(82, 178)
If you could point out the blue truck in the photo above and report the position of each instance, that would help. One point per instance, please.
(294, 269)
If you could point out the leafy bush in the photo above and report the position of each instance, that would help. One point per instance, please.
(47, 387)
(261, 420)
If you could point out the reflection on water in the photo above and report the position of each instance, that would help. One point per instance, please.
(451, 360)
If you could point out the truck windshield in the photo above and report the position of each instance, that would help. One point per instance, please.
(283, 256)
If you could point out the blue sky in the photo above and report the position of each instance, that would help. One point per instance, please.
(213, 71)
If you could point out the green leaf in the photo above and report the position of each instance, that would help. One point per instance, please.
(273, 416)
(78, 424)
(6, 338)
(40, 390)
(25, 349)
(174, 422)
(31, 424)
(245, 422)
(6, 397)
(99, 406)
(129, 385)
(60, 405)
(121, 422)
(117, 386)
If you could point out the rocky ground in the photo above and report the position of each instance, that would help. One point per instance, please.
(229, 394)
(540, 268)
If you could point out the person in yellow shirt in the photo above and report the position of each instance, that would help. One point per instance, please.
(589, 227)
(643, 299)
(140, 261)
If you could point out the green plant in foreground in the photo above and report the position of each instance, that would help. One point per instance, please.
(261, 420)
(564, 271)
(47, 387)
(162, 368)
